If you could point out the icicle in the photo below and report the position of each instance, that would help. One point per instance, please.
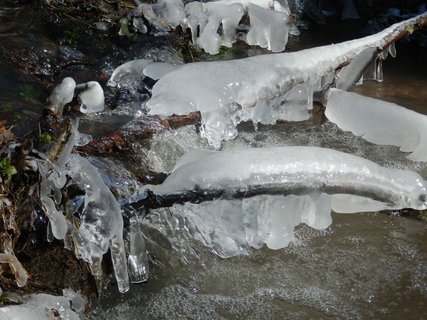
(384, 54)
(354, 71)
(118, 256)
(138, 259)
(21, 275)
(379, 70)
(296, 103)
(392, 49)
(139, 25)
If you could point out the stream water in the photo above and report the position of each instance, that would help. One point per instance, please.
(364, 266)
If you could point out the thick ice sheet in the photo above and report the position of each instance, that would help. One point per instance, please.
(379, 122)
(294, 170)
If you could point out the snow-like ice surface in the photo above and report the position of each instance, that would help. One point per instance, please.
(294, 170)
(40, 307)
(228, 92)
(379, 122)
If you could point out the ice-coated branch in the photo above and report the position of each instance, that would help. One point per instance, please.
(258, 196)
(264, 88)
(209, 175)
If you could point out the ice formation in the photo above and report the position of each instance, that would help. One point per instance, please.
(138, 257)
(292, 170)
(40, 307)
(232, 227)
(276, 190)
(61, 95)
(269, 21)
(91, 97)
(379, 122)
(228, 92)
(101, 222)
(21, 275)
(136, 70)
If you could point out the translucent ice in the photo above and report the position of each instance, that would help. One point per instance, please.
(52, 180)
(138, 258)
(379, 122)
(164, 15)
(21, 275)
(136, 70)
(232, 227)
(128, 72)
(227, 92)
(101, 222)
(293, 170)
(350, 74)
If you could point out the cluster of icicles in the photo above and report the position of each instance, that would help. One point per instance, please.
(269, 25)
(263, 89)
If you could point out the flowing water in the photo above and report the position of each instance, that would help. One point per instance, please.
(363, 266)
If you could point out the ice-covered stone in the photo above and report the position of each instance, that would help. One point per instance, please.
(91, 97)
(61, 95)
(379, 122)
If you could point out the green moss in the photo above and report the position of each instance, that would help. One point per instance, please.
(6, 169)
(30, 93)
(45, 138)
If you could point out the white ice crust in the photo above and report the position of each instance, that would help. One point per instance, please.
(379, 122)
(40, 307)
(255, 88)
